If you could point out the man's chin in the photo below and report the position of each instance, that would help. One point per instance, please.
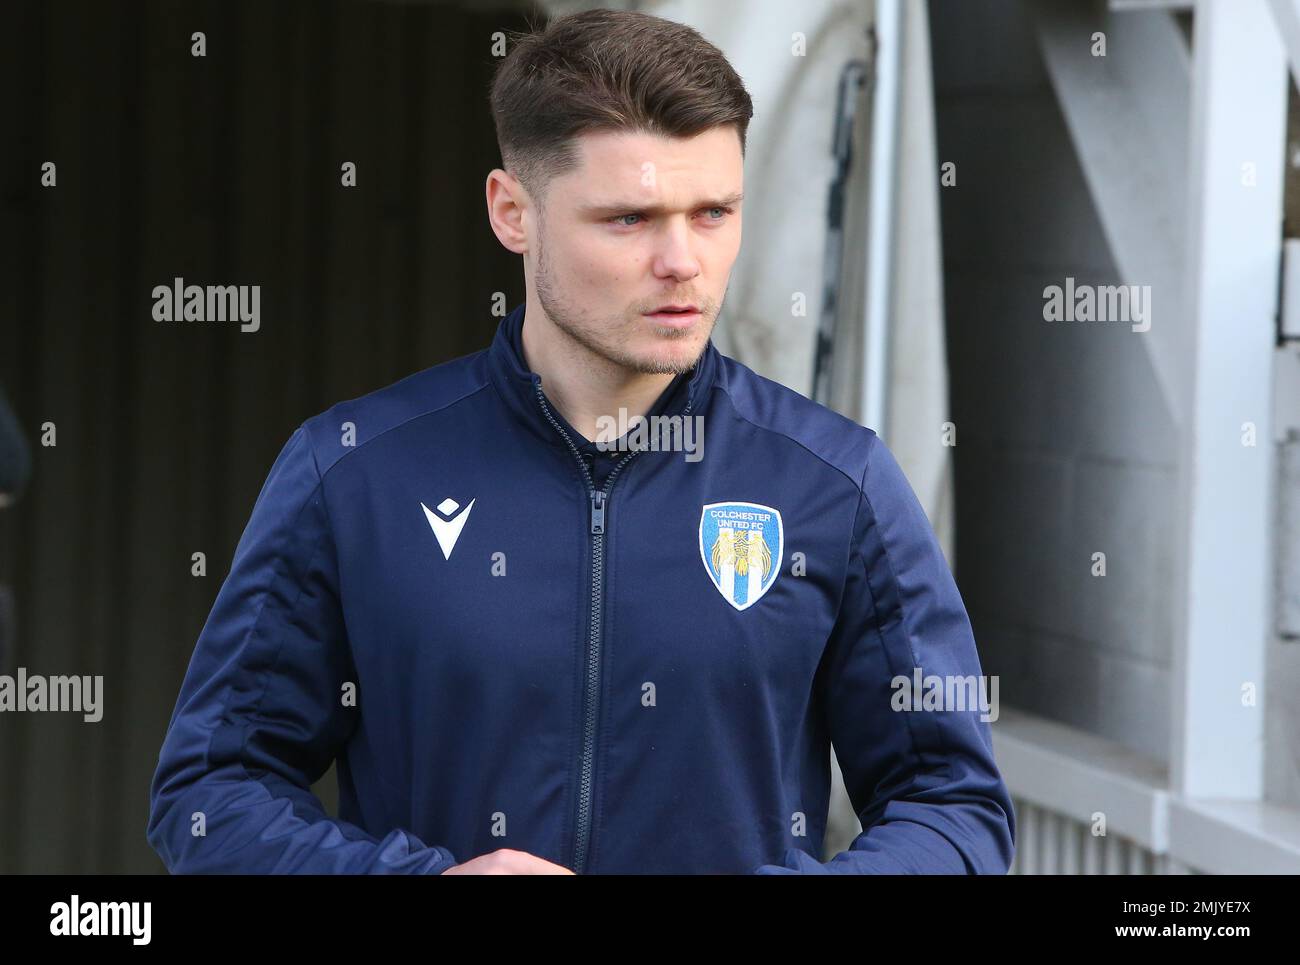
(672, 362)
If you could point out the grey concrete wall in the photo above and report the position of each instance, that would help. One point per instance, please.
(1064, 445)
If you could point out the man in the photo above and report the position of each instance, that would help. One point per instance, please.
(15, 468)
(530, 652)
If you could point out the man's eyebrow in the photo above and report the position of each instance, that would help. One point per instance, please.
(634, 207)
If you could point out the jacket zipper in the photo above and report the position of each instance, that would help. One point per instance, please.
(599, 499)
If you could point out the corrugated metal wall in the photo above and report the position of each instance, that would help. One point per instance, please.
(1048, 843)
(223, 170)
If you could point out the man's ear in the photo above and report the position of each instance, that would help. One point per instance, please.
(507, 202)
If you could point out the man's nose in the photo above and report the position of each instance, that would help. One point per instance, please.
(675, 255)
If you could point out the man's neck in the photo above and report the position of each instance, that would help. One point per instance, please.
(584, 386)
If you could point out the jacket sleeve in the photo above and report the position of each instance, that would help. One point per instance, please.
(923, 782)
(261, 713)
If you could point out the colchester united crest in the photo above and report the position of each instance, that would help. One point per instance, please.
(741, 545)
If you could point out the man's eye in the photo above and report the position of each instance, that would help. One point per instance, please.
(618, 219)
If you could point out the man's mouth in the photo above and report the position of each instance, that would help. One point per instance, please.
(678, 316)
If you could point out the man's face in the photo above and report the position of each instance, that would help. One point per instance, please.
(644, 221)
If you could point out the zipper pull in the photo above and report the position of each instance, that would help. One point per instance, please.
(597, 511)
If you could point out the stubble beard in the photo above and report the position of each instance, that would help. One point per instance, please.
(609, 341)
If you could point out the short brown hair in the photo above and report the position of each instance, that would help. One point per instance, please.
(607, 70)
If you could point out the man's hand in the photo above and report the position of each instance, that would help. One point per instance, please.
(507, 861)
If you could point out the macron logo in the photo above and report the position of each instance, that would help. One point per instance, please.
(447, 529)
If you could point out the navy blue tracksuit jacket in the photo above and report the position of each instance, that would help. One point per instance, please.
(622, 662)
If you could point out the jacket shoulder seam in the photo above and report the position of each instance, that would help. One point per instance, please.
(798, 442)
(353, 450)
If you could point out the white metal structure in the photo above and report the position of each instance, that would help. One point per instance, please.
(1194, 206)
(890, 23)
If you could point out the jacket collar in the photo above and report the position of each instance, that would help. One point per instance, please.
(519, 387)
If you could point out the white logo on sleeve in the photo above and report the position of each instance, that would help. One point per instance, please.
(447, 529)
